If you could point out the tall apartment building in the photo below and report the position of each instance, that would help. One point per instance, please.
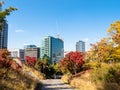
(4, 36)
(32, 51)
(80, 46)
(53, 48)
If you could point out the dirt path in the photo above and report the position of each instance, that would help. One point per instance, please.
(55, 84)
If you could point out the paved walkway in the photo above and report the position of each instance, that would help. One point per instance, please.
(55, 84)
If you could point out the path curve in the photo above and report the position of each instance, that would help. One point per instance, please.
(55, 84)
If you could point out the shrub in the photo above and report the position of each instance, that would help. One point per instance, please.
(30, 60)
(66, 78)
(72, 62)
(98, 74)
(108, 75)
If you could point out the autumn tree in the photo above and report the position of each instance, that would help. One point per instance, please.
(115, 55)
(101, 51)
(72, 62)
(30, 60)
(114, 32)
(107, 49)
(7, 63)
(114, 35)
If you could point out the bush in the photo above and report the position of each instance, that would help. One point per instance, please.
(66, 78)
(113, 74)
(98, 74)
(108, 75)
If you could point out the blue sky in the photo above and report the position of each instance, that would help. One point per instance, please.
(73, 20)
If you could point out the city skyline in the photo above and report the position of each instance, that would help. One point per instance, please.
(73, 20)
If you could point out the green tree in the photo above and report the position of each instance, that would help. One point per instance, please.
(3, 14)
(42, 65)
(39, 65)
(45, 60)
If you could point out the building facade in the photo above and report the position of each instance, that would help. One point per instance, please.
(80, 46)
(17, 53)
(32, 51)
(4, 36)
(53, 48)
(29, 46)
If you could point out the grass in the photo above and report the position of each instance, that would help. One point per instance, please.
(66, 78)
(19, 80)
(105, 77)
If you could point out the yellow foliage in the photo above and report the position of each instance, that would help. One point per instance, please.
(115, 26)
(82, 84)
(66, 78)
(38, 75)
(114, 32)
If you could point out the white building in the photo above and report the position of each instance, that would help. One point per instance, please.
(17, 53)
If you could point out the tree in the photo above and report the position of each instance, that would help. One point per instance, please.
(101, 51)
(72, 62)
(45, 59)
(107, 49)
(38, 65)
(42, 64)
(104, 50)
(3, 15)
(6, 61)
(114, 32)
(115, 55)
(30, 60)
(114, 35)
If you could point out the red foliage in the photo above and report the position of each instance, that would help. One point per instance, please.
(30, 60)
(6, 61)
(72, 61)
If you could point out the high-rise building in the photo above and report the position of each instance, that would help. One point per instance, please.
(32, 51)
(4, 36)
(3, 30)
(53, 48)
(80, 46)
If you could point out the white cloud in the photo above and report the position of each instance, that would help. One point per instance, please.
(19, 31)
